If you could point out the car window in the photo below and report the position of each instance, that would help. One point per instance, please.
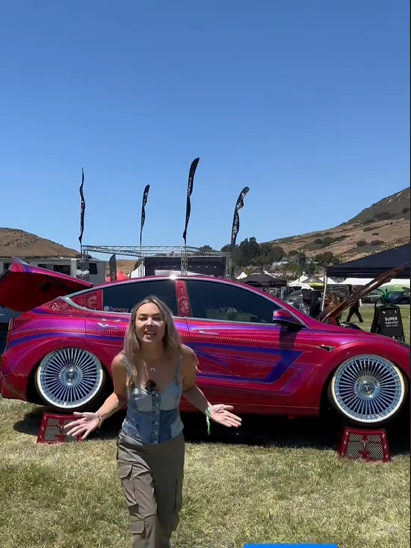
(214, 300)
(122, 297)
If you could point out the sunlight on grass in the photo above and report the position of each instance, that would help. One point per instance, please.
(367, 313)
(68, 496)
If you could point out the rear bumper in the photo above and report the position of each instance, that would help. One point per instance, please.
(13, 386)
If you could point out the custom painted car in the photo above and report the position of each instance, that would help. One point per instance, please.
(255, 352)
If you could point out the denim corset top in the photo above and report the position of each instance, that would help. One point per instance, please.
(153, 417)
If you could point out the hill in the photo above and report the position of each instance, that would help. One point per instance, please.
(17, 243)
(381, 226)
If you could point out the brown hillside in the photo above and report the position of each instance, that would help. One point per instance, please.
(384, 225)
(17, 243)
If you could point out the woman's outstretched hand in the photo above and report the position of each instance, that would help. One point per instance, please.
(220, 413)
(84, 425)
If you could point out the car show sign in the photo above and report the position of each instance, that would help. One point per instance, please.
(388, 321)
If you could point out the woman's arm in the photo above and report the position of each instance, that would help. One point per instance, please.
(88, 422)
(118, 398)
(191, 391)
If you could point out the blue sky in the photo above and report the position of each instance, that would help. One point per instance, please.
(304, 101)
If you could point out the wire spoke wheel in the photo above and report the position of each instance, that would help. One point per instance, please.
(69, 378)
(368, 389)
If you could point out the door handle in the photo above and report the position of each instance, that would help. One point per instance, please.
(203, 332)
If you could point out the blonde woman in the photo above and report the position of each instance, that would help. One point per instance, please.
(150, 375)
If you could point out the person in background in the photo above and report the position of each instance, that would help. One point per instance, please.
(308, 303)
(355, 310)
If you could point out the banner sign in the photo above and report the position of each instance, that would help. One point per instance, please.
(82, 208)
(143, 212)
(190, 186)
(113, 268)
(236, 220)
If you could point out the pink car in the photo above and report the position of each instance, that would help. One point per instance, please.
(255, 352)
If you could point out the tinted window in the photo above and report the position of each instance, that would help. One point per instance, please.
(123, 297)
(62, 268)
(219, 301)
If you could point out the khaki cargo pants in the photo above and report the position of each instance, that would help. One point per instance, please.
(152, 480)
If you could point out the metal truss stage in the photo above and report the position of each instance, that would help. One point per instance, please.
(179, 258)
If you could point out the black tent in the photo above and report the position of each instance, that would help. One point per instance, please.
(374, 265)
(262, 279)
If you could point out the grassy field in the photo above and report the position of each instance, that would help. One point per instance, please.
(367, 313)
(277, 481)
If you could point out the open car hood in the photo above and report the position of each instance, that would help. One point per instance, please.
(24, 287)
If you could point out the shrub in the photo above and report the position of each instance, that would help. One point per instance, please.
(384, 216)
(362, 243)
(377, 242)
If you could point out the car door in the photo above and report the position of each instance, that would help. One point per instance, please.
(244, 358)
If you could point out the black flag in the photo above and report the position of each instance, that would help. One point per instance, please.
(82, 208)
(236, 220)
(113, 268)
(189, 192)
(143, 212)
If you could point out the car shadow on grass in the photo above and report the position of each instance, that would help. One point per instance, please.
(314, 433)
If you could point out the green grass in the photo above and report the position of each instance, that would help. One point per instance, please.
(295, 490)
(367, 313)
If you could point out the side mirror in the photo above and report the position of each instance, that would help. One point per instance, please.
(285, 318)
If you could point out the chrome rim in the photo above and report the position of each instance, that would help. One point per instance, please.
(368, 389)
(69, 378)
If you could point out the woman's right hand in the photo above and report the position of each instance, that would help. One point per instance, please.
(84, 425)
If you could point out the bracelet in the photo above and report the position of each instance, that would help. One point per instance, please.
(207, 414)
(100, 418)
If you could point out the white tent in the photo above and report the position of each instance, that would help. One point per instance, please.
(139, 272)
(398, 282)
(330, 281)
(298, 281)
(357, 281)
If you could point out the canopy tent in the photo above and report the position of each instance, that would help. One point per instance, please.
(330, 281)
(357, 281)
(398, 282)
(263, 279)
(312, 280)
(374, 265)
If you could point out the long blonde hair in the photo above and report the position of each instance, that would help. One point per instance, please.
(132, 344)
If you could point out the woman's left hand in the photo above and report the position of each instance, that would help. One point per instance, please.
(221, 414)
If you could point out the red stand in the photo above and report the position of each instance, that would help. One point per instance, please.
(369, 445)
(52, 429)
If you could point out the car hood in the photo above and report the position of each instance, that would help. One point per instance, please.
(24, 287)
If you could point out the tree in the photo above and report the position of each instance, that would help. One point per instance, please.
(206, 248)
(310, 268)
